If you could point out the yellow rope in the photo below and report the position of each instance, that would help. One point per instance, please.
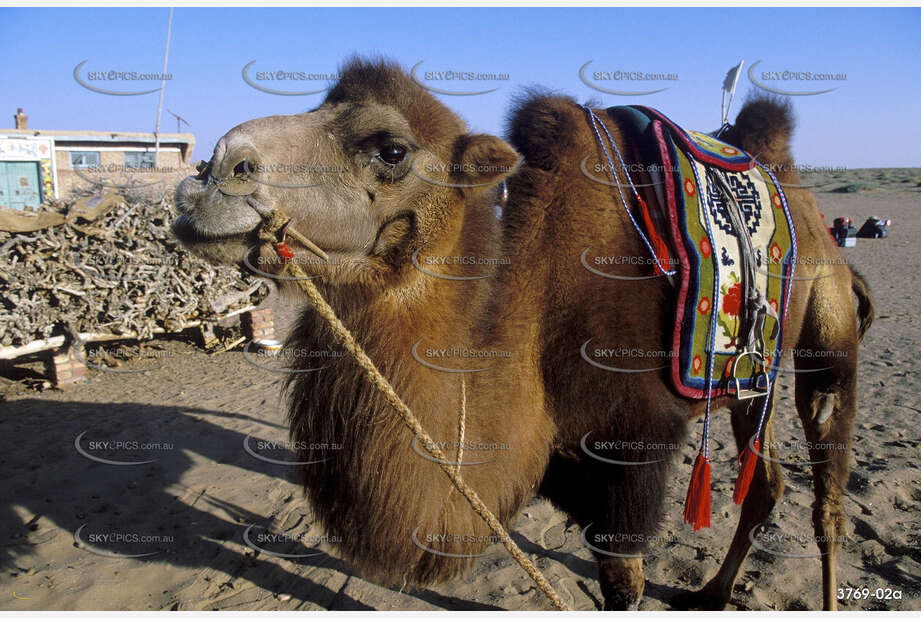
(462, 424)
(347, 340)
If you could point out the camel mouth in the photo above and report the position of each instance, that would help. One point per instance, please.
(207, 219)
(185, 230)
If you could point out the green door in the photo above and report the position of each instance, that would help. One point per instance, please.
(19, 184)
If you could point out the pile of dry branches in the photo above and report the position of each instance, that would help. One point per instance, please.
(122, 273)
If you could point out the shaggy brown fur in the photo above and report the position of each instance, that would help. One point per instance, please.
(528, 409)
(552, 132)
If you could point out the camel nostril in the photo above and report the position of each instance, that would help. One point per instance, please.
(243, 169)
(234, 168)
(242, 180)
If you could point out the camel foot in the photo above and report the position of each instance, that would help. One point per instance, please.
(622, 603)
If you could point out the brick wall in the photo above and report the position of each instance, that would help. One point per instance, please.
(113, 176)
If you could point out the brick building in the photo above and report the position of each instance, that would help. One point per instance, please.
(36, 164)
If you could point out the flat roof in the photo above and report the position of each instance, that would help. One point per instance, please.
(102, 136)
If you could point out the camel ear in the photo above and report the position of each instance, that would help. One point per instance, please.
(482, 161)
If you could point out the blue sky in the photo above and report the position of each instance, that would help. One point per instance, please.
(870, 120)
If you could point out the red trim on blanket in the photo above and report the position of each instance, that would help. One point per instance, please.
(699, 154)
(683, 263)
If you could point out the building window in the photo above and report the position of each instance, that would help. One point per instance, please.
(80, 159)
(139, 159)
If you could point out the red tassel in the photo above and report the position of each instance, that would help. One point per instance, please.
(697, 503)
(748, 459)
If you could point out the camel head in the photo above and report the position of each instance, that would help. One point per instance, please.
(380, 169)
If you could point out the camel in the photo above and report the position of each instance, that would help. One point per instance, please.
(477, 322)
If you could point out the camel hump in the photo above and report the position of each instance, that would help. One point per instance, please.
(764, 128)
(542, 126)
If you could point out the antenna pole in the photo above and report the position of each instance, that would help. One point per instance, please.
(169, 29)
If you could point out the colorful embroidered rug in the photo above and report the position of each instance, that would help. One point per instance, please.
(708, 252)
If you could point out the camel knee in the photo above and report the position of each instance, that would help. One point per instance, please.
(622, 582)
(823, 406)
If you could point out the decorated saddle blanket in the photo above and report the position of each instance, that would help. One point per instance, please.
(697, 174)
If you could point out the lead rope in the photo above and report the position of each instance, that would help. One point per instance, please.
(269, 233)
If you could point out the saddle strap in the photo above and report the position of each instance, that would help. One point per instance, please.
(756, 305)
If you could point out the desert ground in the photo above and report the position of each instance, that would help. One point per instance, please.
(207, 486)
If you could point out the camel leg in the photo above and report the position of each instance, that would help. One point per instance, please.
(619, 509)
(625, 532)
(606, 525)
(766, 488)
(826, 400)
(827, 409)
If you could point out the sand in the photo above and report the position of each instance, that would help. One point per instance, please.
(203, 494)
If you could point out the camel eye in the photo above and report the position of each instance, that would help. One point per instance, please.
(392, 154)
